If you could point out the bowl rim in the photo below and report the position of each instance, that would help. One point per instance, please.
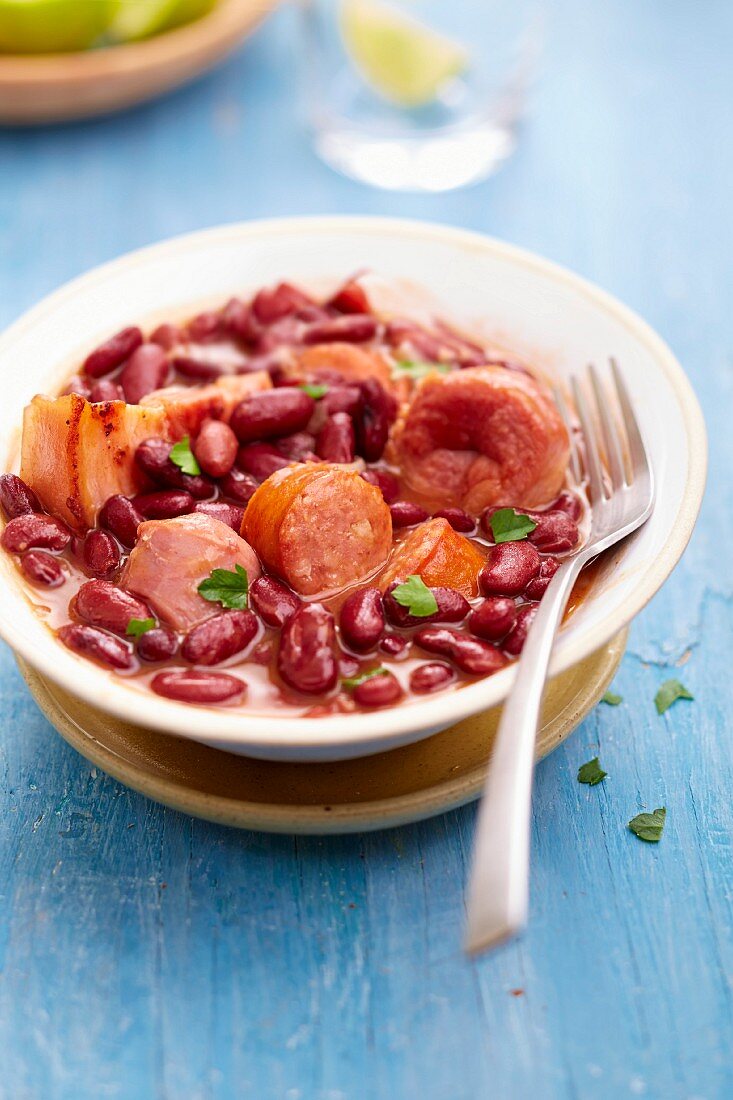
(394, 725)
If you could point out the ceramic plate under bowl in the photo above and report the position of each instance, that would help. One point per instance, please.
(375, 792)
(63, 87)
(550, 318)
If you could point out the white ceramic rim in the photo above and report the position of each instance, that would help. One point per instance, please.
(401, 723)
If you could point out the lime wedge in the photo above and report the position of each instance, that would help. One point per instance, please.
(52, 26)
(401, 58)
(138, 19)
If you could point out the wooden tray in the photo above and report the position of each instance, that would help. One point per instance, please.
(62, 87)
(375, 792)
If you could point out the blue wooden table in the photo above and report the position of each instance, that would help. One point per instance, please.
(145, 954)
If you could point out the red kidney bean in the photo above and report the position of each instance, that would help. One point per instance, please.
(113, 352)
(271, 413)
(306, 659)
(78, 385)
(103, 604)
(220, 637)
(273, 602)
(424, 344)
(355, 328)
(537, 587)
(193, 686)
(387, 483)
(452, 608)
(406, 514)
(376, 412)
(298, 447)
(570, 504)
(262, 654)
(17, 498)
(555, 532)
(35, 530)
(238, 485)
(493, 618)
(42, 568)
(350, 298)
(431, 677)
(237, 320)
(88, 641)
(205, 327)
(166, 336)
(458, 519)
(340, 398)
(106, 390)
(510, 566)
(196, 369)
(164, 505)
(158, 644)
(231, 514)
(120, 516)
(101, 553)
(313, 313)
(470, 654)
(378, 691)
(216, 448)
(284, 333)
(153, 458)
(348, 667)
(336, 439)
(146, 370)
(517, 636)
(394, 646)
(362, 618)
(260, 460)
(273, 303)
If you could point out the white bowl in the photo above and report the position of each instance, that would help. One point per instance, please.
(554, 318)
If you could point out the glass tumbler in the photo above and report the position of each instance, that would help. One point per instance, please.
(417, 95)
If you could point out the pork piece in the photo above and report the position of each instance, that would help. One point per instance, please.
(187, 407)
(353, 362)
(75, 454)
(483, 436)
(173, 556)
(319, 526)
(438, 554)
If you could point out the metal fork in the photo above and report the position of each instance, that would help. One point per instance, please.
(620, 503)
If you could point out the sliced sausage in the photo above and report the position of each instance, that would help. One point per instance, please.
(438, 554)
(319, 526)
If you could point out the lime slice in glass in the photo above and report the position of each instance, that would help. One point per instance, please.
(52, 26)
(137, 19)
(400, 58)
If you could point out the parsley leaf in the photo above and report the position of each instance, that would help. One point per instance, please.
(228, 588)
(354, 681)
(416, 370)
(183, 457)
(137, 627)
(591, 773)
(415, 595)
(316, 390)
(612, 699)
(510, 526)
(649, 826)
(670, 692)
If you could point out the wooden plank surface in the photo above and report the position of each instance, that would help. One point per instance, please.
(145, 954)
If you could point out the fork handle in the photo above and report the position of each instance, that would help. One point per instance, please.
(499, 883)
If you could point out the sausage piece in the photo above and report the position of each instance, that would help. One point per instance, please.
(319, 526)
(483, 436)
(438, 554)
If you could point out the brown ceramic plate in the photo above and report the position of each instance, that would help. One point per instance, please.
(374, 792)
(62, 87)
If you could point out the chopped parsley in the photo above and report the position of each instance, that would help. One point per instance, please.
(416, 369)
(510, 526)
(316, 390)
(227, 587)
(183, 457)
(591, 773)
(415, 595)
(670, 692)
(649, 826)
(353, 681)
(612, 699)
(137, 627)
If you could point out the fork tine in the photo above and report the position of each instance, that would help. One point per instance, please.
(609, 431)
(637, 451)
(562, 405)
(592, 457)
